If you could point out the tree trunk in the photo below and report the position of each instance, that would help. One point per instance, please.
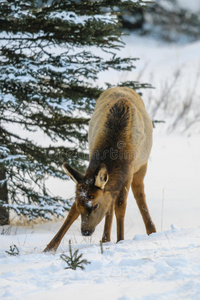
(4, 214)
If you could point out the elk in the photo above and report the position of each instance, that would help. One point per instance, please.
(120, 141)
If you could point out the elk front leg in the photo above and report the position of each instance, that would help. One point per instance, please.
(55, 242)
(138, 191)
(120, 209)
(108, 225)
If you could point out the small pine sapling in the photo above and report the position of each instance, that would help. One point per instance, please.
(14, 251)
(74, 260)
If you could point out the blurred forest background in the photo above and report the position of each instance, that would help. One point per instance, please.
(51, 54)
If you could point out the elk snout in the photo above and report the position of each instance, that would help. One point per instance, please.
(87, 232)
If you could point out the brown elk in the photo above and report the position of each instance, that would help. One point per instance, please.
(120, 141)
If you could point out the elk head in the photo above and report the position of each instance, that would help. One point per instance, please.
(92, 200)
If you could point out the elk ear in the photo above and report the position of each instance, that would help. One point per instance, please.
(102, 176)
(72, 173)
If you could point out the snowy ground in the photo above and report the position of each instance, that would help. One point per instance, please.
(165, 265)
(162, 266)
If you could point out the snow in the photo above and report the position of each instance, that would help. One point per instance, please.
(161, 266)
(70, 16)
(89, 203)
(191, 5)
(12, 157)
(164, 265)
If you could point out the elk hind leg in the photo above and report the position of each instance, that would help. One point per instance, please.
(138, 191)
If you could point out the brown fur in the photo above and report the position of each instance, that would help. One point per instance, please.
(120, 140)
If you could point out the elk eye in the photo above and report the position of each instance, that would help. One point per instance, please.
(90, 197)
(95, 206)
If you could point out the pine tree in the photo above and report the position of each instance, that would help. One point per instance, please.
(50, 57)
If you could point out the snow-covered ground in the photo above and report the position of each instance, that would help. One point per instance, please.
(162, 266)
(165, 265)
